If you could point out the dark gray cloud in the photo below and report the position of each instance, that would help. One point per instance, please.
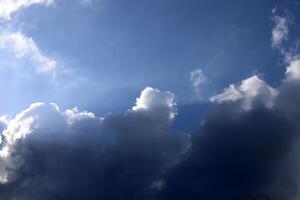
(245, 146)
(50, 154)
(239, 152)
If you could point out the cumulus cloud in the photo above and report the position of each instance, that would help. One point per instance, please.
(23, 46)
(241, 152)
(47, 153)
(250, 91)
(154, 100)
(248, 144)
(8, 7)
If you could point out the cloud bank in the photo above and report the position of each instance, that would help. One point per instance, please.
(51, 154)
(247, 146)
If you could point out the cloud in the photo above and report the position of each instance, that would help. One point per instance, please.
(163, 104)
(237, 152)
(248, 144)
(280, 36)
(280, 31)
(23, 46)
(8, 7)
(293, 70)
(198, 79)
(250, 91)
(52, 154)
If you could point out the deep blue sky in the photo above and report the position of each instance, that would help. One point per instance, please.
(116, 48)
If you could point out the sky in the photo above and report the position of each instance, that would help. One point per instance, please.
(111, 50)
(149, 99)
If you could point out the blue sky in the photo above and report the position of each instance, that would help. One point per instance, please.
(112, 49)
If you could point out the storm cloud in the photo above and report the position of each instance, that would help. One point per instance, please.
(238, 153)
(244, 146)
(50, 154)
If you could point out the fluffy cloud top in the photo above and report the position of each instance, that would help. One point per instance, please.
(24, 46)
(154, 100)
(56, 151)
(51, 154)
(244, 153)
(293, 70)
(8, 7)
(250, 91)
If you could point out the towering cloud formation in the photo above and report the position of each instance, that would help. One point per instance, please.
(50, 154)
(248, 145)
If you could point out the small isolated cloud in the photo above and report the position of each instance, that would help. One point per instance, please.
(250, 91)
(197, 79)
(152, 99)
(23, 46)
(8, 7)
(280, 31)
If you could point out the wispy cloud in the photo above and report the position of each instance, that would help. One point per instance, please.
(8, 7)
(280, 35)
(23, 46)
(197, 78)
(280, 31)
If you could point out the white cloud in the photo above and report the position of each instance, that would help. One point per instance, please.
(232, 93)
(162, 103)
(248, 92)
(24, 46)
(197, 78)
(280, 31)
(8, 7)
(293, 70)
